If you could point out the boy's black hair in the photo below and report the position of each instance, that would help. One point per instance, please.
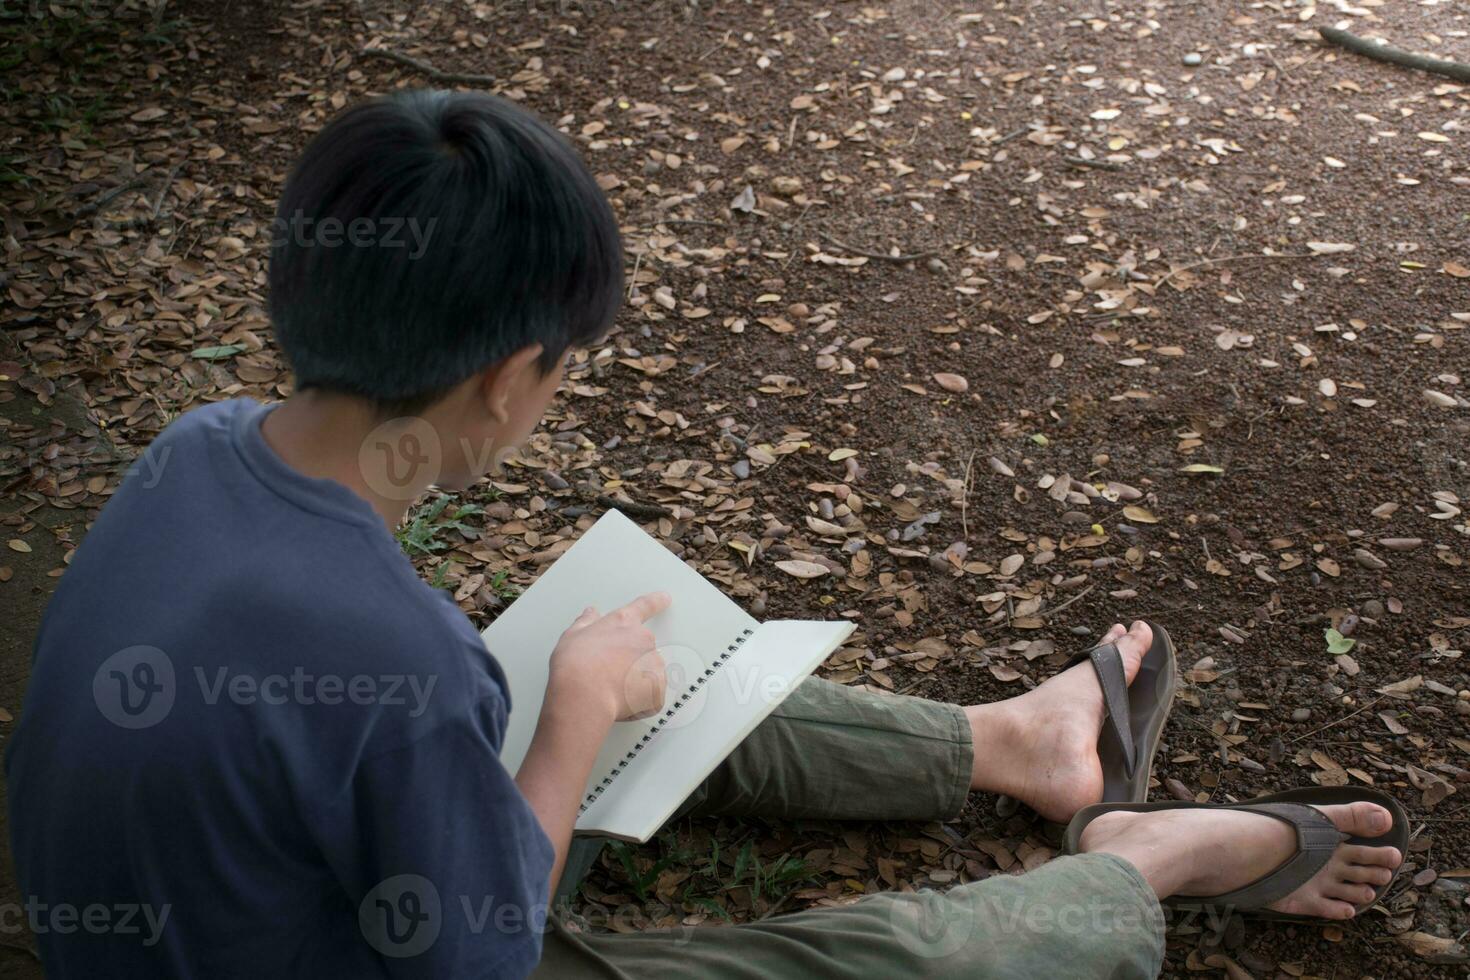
(514, 244)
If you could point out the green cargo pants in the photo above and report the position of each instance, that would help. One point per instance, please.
(834, 752)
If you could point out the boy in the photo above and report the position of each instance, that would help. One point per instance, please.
(256, 744)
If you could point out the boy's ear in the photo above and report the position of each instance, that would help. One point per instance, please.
(501, 382)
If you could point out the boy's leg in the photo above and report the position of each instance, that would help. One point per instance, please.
(832, 752)
(1088, 916)
(843, 753)
(837, 752)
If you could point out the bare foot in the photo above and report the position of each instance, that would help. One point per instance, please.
(1041, 747)
(1211, 852)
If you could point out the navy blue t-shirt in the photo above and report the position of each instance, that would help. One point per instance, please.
(256, 743)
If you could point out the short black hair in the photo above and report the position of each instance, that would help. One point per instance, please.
(424, 236)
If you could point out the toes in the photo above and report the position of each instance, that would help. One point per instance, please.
(1319, 906)
(1360, 819)
(1133, 644)
(1349, 891)
(1114, 631)
(1382, 857)
(1375, 875)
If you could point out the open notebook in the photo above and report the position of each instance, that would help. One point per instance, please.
(727, 672)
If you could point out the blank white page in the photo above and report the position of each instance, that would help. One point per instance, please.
(739, 696)
(613, 563)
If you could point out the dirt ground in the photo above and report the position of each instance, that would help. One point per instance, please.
(983, 324)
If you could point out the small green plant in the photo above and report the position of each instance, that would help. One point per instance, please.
(710, 876)
(421, 534)
(771, 881)
(8, 172)
(1337, 643)
(499, 584)
(640, 880)
(440, 578)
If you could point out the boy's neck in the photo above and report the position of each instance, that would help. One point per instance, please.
(321, 435)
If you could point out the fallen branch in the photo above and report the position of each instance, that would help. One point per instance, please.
(1228, 258)
(881, 256)
(1382, 51)
(428, 70)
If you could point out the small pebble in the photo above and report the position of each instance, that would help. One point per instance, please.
(1301, 714)
(741, 469)
(1194, 59)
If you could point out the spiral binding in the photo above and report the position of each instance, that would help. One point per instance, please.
(663, 720)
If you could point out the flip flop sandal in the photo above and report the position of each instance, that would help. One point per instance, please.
(1316, 839)
(1135, 714)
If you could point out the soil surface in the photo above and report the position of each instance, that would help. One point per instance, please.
(984, 325)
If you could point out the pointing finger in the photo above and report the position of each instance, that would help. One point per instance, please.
(645, 607)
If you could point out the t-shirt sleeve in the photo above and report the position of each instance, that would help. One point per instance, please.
(444, 858)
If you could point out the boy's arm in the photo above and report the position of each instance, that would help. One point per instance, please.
(604, 670)
(554, 773)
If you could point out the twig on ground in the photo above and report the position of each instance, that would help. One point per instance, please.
(1093, 164)
(909, 687)
(882, 256)
(1230, 258)
(87, 210)
(633, 279)
(965, 500)
(632, 509)
(1049, 613)
(688, 221)
(795, 227)
(151, 218)
(1338, 721)
(20, 948)
(428, 70)
(1382, 51)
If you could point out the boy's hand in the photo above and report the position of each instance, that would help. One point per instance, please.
(610, 661)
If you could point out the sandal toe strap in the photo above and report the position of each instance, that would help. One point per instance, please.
(1316, 838)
